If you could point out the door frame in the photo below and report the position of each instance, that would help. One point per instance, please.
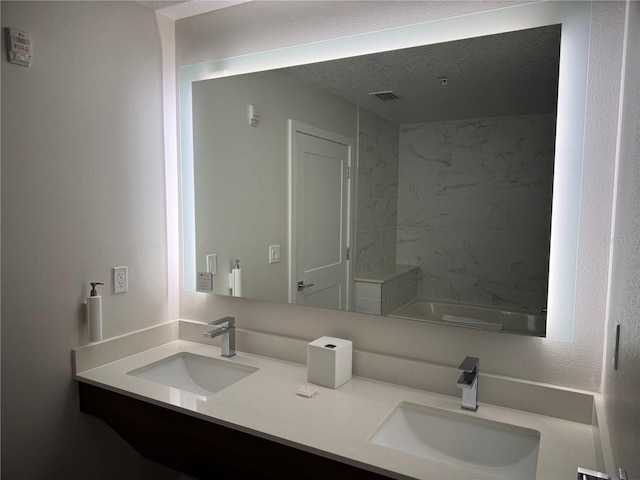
(298, 127)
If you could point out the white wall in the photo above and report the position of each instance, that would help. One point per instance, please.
(621, 387)
(241, 218)
(259, 26)
(82, 191)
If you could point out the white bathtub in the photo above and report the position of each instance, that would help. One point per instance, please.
(471, 316)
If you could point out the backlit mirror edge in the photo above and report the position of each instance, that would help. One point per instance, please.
(575, 19)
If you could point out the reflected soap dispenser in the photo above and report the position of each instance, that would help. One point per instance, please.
(94, 313)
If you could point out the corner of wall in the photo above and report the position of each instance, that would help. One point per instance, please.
(167, 32)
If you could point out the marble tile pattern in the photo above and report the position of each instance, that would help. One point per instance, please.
(377, 193)
(381, 298)
(368, 297)
(474, 208)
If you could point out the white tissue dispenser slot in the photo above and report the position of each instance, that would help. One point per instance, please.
(329, 361)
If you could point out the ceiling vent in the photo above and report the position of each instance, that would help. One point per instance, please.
(385, 96)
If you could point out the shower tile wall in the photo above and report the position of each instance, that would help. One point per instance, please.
(377, 201)
(474, 209)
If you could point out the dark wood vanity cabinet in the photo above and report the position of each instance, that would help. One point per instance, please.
(206, 450)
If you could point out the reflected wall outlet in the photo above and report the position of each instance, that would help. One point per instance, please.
(120, 279)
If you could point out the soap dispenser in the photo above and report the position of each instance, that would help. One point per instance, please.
(94, 313)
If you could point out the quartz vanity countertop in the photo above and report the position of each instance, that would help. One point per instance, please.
(334, 423)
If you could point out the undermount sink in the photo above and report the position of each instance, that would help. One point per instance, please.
(491, 448)
(194, 373)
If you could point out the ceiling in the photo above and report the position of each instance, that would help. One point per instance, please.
(177, 9)
(514, 73)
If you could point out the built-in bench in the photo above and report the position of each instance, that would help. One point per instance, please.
(385, 290)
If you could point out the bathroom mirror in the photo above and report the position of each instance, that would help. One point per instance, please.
(239, 193)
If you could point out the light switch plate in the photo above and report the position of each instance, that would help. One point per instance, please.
(616, 345)
(212, 264)
(274, 253)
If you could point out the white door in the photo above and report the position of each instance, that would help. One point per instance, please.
(319, 217)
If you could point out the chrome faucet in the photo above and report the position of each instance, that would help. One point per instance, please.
(468, 382)
(226, 328)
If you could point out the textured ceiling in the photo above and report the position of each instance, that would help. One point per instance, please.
(514, 73)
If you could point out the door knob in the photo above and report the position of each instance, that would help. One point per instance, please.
(302, 286)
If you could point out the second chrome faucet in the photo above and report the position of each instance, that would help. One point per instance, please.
(468, 382)
(226, 329)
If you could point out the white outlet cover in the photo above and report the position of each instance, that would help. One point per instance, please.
(120, 279)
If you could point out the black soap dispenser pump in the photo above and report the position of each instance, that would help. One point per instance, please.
(94, 313)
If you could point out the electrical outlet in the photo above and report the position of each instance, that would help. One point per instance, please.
(120, 279)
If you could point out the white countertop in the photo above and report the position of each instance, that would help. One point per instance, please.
(386, 274)
(337, 423)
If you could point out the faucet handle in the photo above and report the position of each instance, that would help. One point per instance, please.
(469, 367)
(469, 364)
(230, 321)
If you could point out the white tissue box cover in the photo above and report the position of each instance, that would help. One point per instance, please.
(326, 366)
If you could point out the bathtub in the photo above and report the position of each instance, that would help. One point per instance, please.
(471, 316)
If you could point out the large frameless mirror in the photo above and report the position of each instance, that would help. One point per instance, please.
(418, 182)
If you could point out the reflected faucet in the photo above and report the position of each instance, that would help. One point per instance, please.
(468, 382)
(226, 328)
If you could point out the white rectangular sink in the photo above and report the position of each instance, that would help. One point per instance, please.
(194, 373)
(498, 450)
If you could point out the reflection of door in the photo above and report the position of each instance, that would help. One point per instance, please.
(319, 217)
